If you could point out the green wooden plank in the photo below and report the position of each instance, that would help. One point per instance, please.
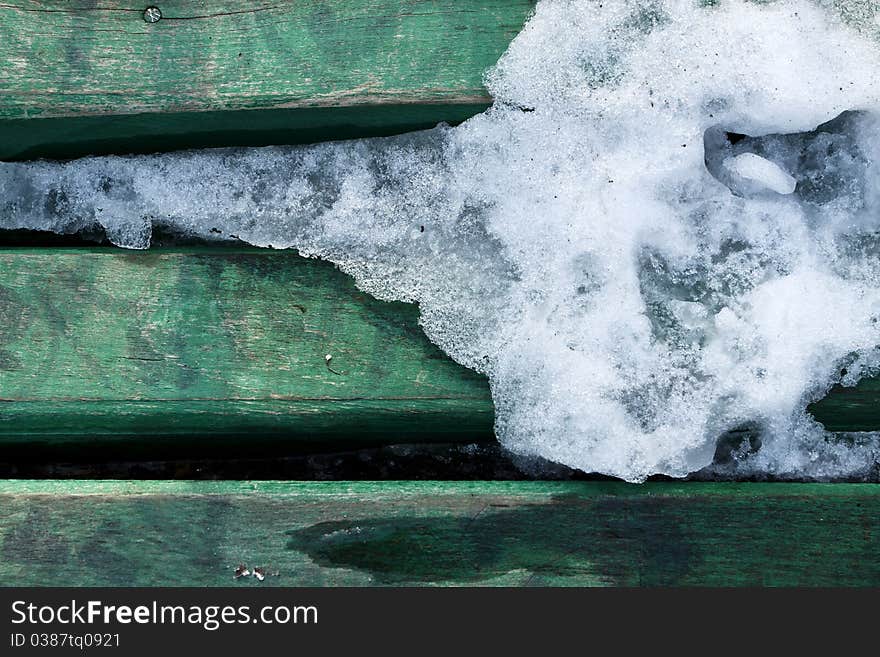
(186, 80)
(182, 348)
(197, 346)
(478, 533)
(853, 408)
(174, 347)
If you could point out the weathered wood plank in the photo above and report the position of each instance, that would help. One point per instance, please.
(228, 346)
(479, 533)
(854, 408)
(216, 347)
(371, 66)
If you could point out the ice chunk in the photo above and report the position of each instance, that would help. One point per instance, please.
(583, 242)
(756, 173)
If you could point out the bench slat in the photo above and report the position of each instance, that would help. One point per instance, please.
(202, 346)
(83, 79)
(854, 408)
(471, 533)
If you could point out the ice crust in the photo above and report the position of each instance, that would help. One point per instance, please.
(667, 227)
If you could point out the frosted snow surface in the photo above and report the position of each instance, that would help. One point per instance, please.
(667, 226)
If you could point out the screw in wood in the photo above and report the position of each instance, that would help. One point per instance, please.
(152, 14)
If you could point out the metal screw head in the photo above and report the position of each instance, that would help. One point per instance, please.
(152, 14)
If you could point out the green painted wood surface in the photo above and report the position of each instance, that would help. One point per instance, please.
(176, 349)
(854, 408)
(380, 65)
(479, 533)
(216, 347)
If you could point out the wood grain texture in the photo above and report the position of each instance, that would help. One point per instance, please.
(478, 533)
(214, 347)
(69, 60)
